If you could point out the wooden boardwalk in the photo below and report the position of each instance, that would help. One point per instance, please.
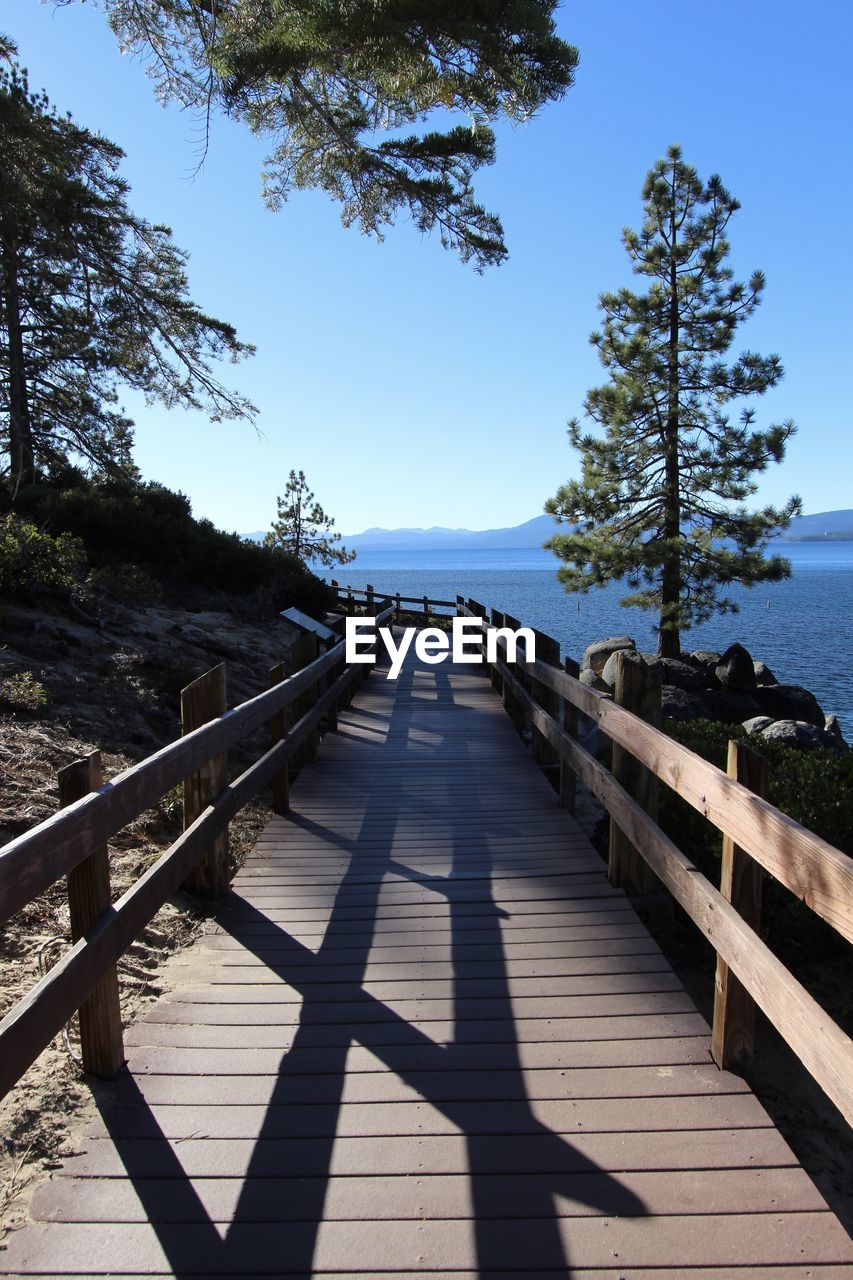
(427, 1038)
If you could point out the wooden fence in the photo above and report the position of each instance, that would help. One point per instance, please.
(544, 698)
(72, 843)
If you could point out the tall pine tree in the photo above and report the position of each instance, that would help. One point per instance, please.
(661, 499)
(92, 298)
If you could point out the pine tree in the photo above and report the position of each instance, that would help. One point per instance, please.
(661, 500)
(91, 298)
(303, 528)
(325, 82)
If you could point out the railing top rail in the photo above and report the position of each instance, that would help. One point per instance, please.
(345, 592)
(818, 873)
(31, 862)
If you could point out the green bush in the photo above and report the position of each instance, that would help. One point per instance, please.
(148, 526)
(22, 692)
(35, 564)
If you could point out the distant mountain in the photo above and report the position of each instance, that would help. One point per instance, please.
(835, 525)
(530, 534)
(830, 525)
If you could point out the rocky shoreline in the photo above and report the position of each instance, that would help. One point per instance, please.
(731, 687)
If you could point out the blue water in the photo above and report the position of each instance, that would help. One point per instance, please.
(802, 628)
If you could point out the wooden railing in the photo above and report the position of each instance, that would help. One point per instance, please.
(72, 843)
(352, 598)
(545, 698)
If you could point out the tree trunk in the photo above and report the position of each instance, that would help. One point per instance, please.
(669, 636)
(21, 452)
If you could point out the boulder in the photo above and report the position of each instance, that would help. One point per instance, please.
(706, 658)
(673, 671)
(790, 702)
(608, 675)
(833, 728)
(735, 670)
(755, 724)
(802, 734)
(763, 674)
(681, 704)
(731, 705)
(592, 681)
(595, 655)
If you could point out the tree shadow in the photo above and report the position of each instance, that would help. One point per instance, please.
(260, 1233)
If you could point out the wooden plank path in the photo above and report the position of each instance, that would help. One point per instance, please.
(426, 1038)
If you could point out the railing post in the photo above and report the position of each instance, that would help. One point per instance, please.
(332, 713)
(278, 730)
(638, 689)
(480, 611)
(202, 701)
(514, 707)
(369, 594)
(460, 604)
(426, 608)
(568, 779)
(733, 1036)
(101, 1043)
(547, 650)
(397, 608)
(497, 620)
(312, 742)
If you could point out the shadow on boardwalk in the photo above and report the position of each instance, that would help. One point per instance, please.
(262, 1236)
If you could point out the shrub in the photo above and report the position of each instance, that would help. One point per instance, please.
(33, 563)
(22, 692)
(148, 526)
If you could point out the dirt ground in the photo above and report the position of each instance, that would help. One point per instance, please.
(68, 687)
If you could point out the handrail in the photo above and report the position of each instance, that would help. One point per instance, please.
(819, 874)
(785, 848)
(32, 861)
(823, 1048)
(346, 593)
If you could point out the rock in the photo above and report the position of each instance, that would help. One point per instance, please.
(833, 728)
(800, 733)
(755, 724)
(706, 658)
(681, 704)
(608, 673)
(731, 705)
(595, 655)
(763, 674)
(735, 669)
(673, 671)
(195, 635)
(790, 702)
(592, 681)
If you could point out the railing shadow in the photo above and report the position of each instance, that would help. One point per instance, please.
(257, 1236)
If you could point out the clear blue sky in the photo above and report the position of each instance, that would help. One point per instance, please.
(411, 390)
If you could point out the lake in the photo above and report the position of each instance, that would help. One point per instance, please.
(802, 628)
